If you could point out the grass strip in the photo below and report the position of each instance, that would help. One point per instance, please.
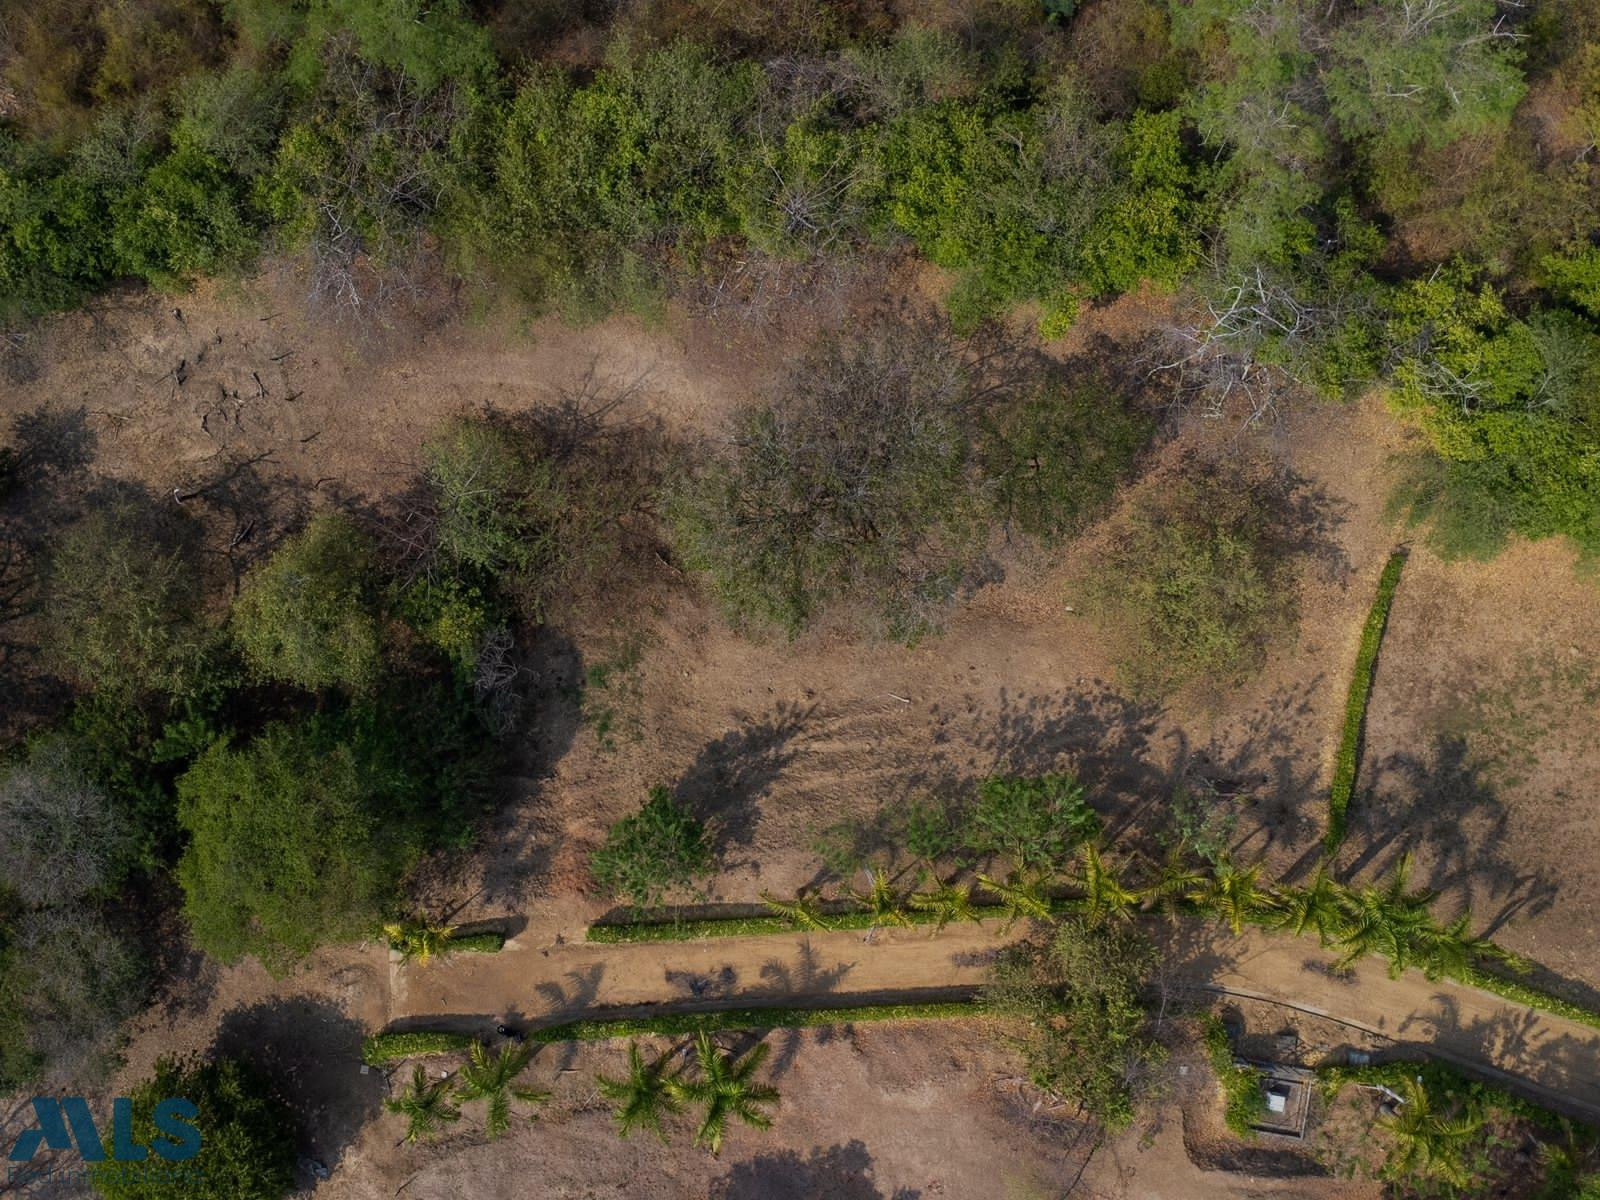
(1525, 993)
(681, 1024)
(382, 1048)
(621, 932)
(477, 943)
(1355, 706)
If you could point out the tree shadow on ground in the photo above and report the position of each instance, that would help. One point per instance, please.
(524, 838)
(312, 1053)
(805, 979)
(838, 1172)
(1440, 802)
(730, 775)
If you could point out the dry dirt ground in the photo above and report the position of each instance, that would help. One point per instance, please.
(1481, 743)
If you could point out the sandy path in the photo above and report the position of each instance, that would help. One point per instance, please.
(1554, 1059)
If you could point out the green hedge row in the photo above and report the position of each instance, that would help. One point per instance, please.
(1241, 1086)
(477, 943)
(620, 932)
(383, 1048)
(682, 1024)
(1525, 993)
(1355, 707)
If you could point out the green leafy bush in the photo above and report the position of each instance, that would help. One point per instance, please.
(1056, 458)
(1036, 822)
(308, 616)
(1070, 1006)
(658, 849)
(1509, 409)
(289, 841)
(1204, 570)
(1244, 1101)
(123, 600)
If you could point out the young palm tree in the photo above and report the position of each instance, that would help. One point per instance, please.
(1320, 905)
(426, 1106)
(1235, 894)
(645, 1096)
(1103, 893)
(492, 1079)
(803, 912)
(1178, 881)
(1392, 920)
(947, 902)
(419, 939)
(726, 1088)
(882, 901)
(1429, 1144)
(1022, 895)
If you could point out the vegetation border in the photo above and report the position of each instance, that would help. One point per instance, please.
(1348, 759)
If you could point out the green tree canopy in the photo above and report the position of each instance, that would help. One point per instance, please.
(309, 615)
(289, 842)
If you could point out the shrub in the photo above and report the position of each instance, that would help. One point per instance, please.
(61, 837)
(289, 843)
(1070, 1006)
(67, 982)
(1244, 1102)
(308, 616)
(660, 848)
(1055, 458)
(123, 600)
(1508, 407)
(384, 1048)
(247, 1137)
(477, 943)
(1205, 572)
(1037, 823)
(1348, 757)
(856, 484)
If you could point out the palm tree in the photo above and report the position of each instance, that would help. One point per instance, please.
(1392, 920)
(645, 1096)
(1023, 894)
(1235, 894)
(492, 1078)
(947, 902)
(1103, 893)
(419, 939)
(882, 901)
(803, 912)
(1178, 880)
(726, 1088)
(1320, 905)
(1427, 1143)
(1451, 950)
(426, 1106)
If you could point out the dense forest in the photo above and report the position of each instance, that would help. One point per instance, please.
(1393, 193)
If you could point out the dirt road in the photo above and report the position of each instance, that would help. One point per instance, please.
(1554, 1060)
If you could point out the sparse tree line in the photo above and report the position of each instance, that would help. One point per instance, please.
(1340, 197)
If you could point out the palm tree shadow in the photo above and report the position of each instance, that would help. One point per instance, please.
(839, 1172)
(571, 1000)
(806, 979)
(731, 774)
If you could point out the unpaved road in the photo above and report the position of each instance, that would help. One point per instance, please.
(1554, 1060)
